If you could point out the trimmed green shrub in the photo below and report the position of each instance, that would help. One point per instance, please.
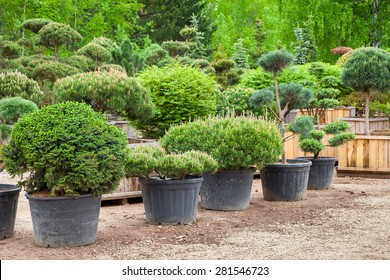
(105, 42)
(234, 142)
(180, 93)
(156, 55)
(11, 109)
(78, 61)
(35, 24)
(17, 84)
(114, 67)
(176, 48)
(96, 53)
(9, 49)
(151, 161)
(68, 149)
(106, 91)
(50, 72)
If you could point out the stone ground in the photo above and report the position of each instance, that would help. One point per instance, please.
(349, 221)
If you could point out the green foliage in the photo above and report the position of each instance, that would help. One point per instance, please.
(115, 67)
(5, 132)
(179, 93)
(240, 56)
(311, 142)
(78, 61)
(105, 42)
(176, 48)
(9, 49)
(367, 69)
(112, 92)
(35, 24)
(156, 55)
(17, 84)
(127, 56)
(11, 109)
(275, 61)
(53, 71)
(380, 108)
(54, 35)
(235, 100)
(234, 142)
(96, 53)
(68, 149)
(303, 126)
(343, 59)
(305, 49)
(148, 162)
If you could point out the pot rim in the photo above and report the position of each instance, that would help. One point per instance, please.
(159, 181)
(53, 198)
(13, 189)
(291, 163)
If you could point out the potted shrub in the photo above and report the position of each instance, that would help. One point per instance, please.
(321, 170)
(11, 109)
(285, 180)
(238, 144)
(73, 156)
(170, 182)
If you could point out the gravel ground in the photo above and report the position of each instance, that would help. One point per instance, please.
(350, 221)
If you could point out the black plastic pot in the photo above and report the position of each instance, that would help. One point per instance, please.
(9, 196)
(170, 202)
(228, 190)
(321, 172)
(64, 221)
(285, 182)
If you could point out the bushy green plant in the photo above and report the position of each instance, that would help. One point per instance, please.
(78, 61)
(234, 142)
(96, 53)
(11, 109)
(51, 72)
(310, 140)
(105, 42)
(156, 55)
(9, 49)
(128, 57)
(176, 48)
(17, 84)
(68, 149)
(114, 67)
(106, 91)
(35, 24)
(179, 93)
(149, 161)
(367, 70)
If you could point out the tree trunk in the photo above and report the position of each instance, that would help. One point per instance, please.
(367, 114)
(56, 54)
(281, 117)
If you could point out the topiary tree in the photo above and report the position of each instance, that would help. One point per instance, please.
(106, 91)
(176, 48)
(78, 61)
(35, 24)
(50, 72)
(54, 35)
(226, 72)
(95, 52)
(9, 49)
(68, 150)
(156, 55)
(275, 62)
(367, 70)
(17, 84)
(180, 93)
(105, 42)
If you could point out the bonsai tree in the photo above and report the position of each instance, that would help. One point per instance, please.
(51, 72)
(275, 62)
(106, 91)
(310, 140)
(68, 149)
(367, 70)
(54, 35)
(95, 52)
(154, 162)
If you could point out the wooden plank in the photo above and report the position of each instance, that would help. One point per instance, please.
(366, 153)
(382, 154)
(121, 195)
(373, 152)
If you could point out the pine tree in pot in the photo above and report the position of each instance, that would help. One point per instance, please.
(170, 182)
(238, 144)
(73, 156)
(288, 179)
(321, 170)
(11, 109)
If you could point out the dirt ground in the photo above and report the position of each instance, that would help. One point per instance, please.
(350, 221)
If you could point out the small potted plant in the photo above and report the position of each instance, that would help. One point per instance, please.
(170, 182)
(11, 109)
(72, 156)
(310, 141)
(239, 145)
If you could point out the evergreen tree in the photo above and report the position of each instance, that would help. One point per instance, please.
(240, 56)
(127, 56)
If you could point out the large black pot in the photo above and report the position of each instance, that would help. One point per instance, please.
(285, 182)
(64, 221)
(9, 196)
(321, 172)
(228, 190)
(170, 202)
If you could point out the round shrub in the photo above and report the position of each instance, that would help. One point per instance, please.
(11, 109)
(50, 72)
(105, 43)
(180, 93)
(78, 61)
(235, 99)
(17, 84)
(68, 149)
(96, 53)
(106, 91)
(234, 142)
